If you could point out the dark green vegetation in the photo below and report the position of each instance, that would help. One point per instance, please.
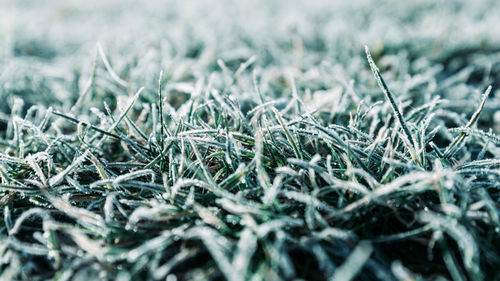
(258, 142)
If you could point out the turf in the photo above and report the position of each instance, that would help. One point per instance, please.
(255, 140)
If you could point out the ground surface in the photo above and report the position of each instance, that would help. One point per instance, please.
(257, 140)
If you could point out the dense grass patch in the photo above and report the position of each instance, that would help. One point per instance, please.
(262, 141)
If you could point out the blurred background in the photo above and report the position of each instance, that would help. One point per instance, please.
(48, 48)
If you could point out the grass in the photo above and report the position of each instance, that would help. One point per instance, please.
(277, 150)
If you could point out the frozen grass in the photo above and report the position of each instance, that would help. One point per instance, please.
(259, 141)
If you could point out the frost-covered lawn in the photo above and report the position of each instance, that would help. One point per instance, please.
(249, 140)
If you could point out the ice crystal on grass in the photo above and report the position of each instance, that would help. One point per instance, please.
(252, 140)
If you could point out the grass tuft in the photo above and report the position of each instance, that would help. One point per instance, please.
(263, 150)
